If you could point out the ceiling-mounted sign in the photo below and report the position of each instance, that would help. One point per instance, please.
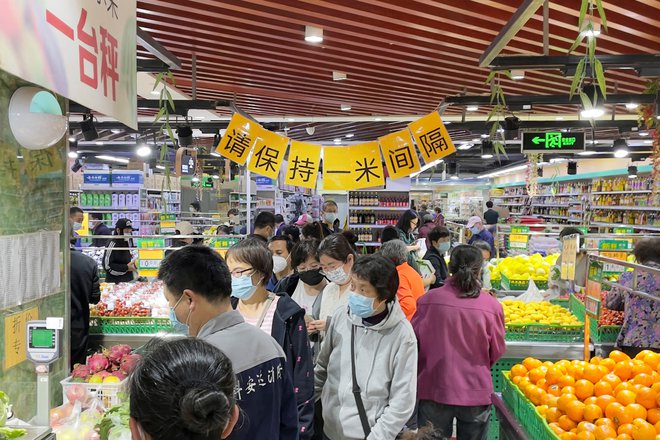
(552, 142)
(82, 50)
(432, 137)
(356, 166)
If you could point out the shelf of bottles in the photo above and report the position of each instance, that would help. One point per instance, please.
(371, 211)
(513, 198)
(154, 202)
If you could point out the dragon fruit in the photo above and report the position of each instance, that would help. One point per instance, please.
(129, 361)
(98, 362)
(81, 371)
(119, 374)
(116, 352)
(103, 374)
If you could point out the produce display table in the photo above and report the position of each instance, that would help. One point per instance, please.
(510, 428)
(134, 340)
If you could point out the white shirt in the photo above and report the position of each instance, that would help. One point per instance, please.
(304, 299)
(332, 300)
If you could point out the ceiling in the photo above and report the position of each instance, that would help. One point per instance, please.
(401, 57)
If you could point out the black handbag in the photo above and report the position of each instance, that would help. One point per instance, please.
(356, 390)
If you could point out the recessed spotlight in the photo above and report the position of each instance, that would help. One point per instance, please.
(160, 167)
(587, 153)
(72, 139)
(472, 108)
(632, 171)
(313, 34)
(350, 135)
(143, 150)
(195, 179)
(631, 106)
(485, 136)
(99, 142)
(215, 176)
(292, 119)
(378, 119)
(592, 33)
(517, 74)
(345, 107)
(592, 113)
(643, 133)
(486, 156)
(73, 155)
(621, 152)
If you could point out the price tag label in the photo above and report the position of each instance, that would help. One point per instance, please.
(592, 305)
(517, 241)
(624, 230)
(613, 249)
(570, 244)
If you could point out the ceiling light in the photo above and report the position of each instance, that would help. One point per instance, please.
(587, 153)
(632, 172)
(345, 107)
(454, 177)
(592, 33)
(195, 179)
(160, 167)
(292, 120)
(564, 130)
(559, 118)
(557, 160)
(377, 119)
(446, 122)
(215, 176)
(72, 139)
(517, 74)
(476, 139)
(116, 130)
(143, 150)
(313, 34)
(155, 92)
(504, 171)
(337, 141)
(73, 155)
(88, 130)
(620, 147)
(485, 136)
(113, 159)
(215, 154)
(486, 156)
(591, 28)
(592, 113)
(643, 133)
(648, 141)
(350, 135)
(465, 146)
(631, 106)
(338, 76)
(99, 142)
(472, 108)
(487, 149)
(427, 166)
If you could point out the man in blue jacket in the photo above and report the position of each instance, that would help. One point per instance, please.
(479, 232)
(198, 288)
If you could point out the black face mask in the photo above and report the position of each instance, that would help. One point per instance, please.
(311, 277)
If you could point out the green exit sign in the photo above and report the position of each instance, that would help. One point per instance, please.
(552, 142)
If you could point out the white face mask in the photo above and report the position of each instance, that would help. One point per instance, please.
(279, 263)
(338, 276)
(191, 209)
(330, 217)
(77, 226)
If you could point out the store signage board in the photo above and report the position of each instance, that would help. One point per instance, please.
(615, 249)
(552, 142)
(570, 244)
(168, 224)
(15, 336)
(96, 178)
(518, 241)
(264, 183)
(82, 50)
(624, 231)
(127, 179)
(595, 271)
(150, 254)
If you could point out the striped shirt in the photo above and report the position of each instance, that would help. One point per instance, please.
(267, 324)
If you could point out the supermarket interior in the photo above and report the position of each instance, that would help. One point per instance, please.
(469, 189)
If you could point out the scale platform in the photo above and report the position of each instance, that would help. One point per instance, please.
(36, 433)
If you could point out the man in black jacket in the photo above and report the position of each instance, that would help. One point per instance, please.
(440, 239)
(84, 291)
(99, 228)
(119, 264)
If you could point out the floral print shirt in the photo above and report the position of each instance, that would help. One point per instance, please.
(641, 322)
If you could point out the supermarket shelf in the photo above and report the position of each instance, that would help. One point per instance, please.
(510, 197)
(552, 205)
(515, 213)
(575, 220)
(97, 209)
(638, 191)
(563, 217)
(544, 350)
(368, 243)
(623, 225)
(628, 208)
(561, 194)
(377, 208)
(361, 225)
(513, 204)
(575, 211)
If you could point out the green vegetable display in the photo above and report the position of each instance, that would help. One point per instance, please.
(5, 432)
(114, 420)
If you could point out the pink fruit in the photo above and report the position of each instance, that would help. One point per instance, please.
(76, 393)
(128, 362)
(119, 374)
(97, 362)
(81, 372)
(116, 352)
(103, 374)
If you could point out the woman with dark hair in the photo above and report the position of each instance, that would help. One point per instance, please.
(251, 265)
(118, 262)
(337, 258)
(389, 233)
(351, 237)
(641, 320)
(312, 230)
(292, 233)
(311, 282)
(440, 239)
(485, 250)
(460, 332)
(182, 389)
(406, 226)
(369, 348)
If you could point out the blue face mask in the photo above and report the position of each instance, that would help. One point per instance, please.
(242, 287)
(179, 327)
(443, 247)
(474, 230)
(561, 246)
(360, 305)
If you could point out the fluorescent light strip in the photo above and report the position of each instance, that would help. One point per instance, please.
(426, 167)
(113, 159)
(505, 171)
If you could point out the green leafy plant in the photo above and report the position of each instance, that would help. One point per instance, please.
(498, 111)
(589, 66)
(166, 104)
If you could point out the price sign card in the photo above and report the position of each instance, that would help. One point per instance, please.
(570, 244)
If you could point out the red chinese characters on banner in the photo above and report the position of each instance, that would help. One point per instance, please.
(88, 52)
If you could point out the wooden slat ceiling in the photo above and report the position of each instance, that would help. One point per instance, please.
(401, 56)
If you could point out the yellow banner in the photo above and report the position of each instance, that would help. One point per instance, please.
(399, 154)
(353, 167)
(268, 154)
(238, 140)
(303, 167)
(15, 336)
(432, 137)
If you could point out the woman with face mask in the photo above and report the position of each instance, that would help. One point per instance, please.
(118, 262)
(485, 273)
(336, 257)
(182, 389)
(406, 227)
(369, 348)
(251, 264)
(440, 239)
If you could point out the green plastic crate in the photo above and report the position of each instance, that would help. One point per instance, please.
(496, 371)
(604, 333)
(496, 284)
(576, 307)
(128, 325)
(544, 333)
(561, 302)
(522, 284)
(525, 411)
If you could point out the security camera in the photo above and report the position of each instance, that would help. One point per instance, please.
(310, 130)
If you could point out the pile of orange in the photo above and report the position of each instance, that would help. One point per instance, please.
(615, 398)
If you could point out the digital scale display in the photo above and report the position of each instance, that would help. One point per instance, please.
(42, 338)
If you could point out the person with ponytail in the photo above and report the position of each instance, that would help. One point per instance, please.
(182, 389)
(460, 332)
